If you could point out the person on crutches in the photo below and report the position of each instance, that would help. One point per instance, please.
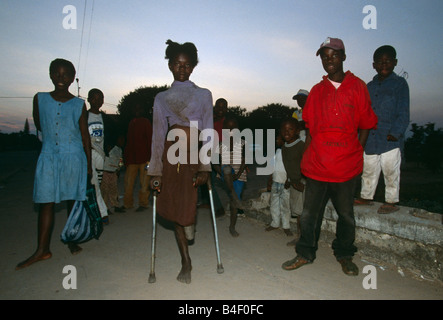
(179, 115)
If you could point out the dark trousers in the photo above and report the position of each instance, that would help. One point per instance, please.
(317, 194)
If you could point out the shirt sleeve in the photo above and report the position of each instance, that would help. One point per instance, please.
(368, 119)
(307, 110)
(207, 123)
(402, 110)
(159, 130)
(149, 138)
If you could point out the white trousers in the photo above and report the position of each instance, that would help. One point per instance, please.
(388, 163)
(97, 163)
(279, 208)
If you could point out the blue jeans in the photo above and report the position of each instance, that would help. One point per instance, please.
(317, 194)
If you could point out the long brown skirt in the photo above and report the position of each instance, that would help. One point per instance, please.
(177, 201)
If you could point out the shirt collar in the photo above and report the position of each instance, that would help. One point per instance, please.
(187, 83)
(288, 145)
(391, 76)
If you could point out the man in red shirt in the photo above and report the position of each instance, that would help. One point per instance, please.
(136, 156)
(339, 116)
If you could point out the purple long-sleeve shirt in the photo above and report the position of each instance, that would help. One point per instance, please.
(182, 103)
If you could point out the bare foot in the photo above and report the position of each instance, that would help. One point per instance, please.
(233, 232)
(74, 248)
(32, 259)
(185, 274)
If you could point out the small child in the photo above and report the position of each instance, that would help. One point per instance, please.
(280, 210)
(292, 153)
(111, 172)
(231, 168)
(390, 101)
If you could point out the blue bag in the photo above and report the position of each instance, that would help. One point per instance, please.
(84, 221)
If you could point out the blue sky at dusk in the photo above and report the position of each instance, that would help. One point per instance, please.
(252, 52)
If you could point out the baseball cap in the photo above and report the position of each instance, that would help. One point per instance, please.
(301, 92)
(333, 43)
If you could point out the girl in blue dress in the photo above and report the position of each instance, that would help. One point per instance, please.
(64, 164)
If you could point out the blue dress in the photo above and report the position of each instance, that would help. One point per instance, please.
(61, 171)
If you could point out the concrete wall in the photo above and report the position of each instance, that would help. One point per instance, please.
(411, 239)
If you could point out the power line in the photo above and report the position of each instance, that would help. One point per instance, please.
(85, 98)
(89, 39)
(16, 97)
(81, 38)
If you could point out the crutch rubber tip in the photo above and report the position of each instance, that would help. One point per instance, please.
(151, 278)
(220, 269)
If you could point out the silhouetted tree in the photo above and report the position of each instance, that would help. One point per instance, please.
(19, 141)
(143, 96)
(240, 114)
(425, 146)
(269, 116)
(26, 129)
(414, 144)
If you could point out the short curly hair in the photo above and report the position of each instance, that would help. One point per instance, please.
(389, 50)
(61, 62)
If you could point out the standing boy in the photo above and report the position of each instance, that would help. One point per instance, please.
(96, 126)
(301, 97)
(339, 116)
(231, 168)
(137, 155)
(390, 101)
(279, 207)
(292, 153)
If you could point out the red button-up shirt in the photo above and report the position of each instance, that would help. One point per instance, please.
(333, 117)
(138, 142)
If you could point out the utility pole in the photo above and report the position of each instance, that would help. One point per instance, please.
(78, 88)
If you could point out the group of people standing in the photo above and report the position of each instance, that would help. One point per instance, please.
(324, 163)
(353, 131)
